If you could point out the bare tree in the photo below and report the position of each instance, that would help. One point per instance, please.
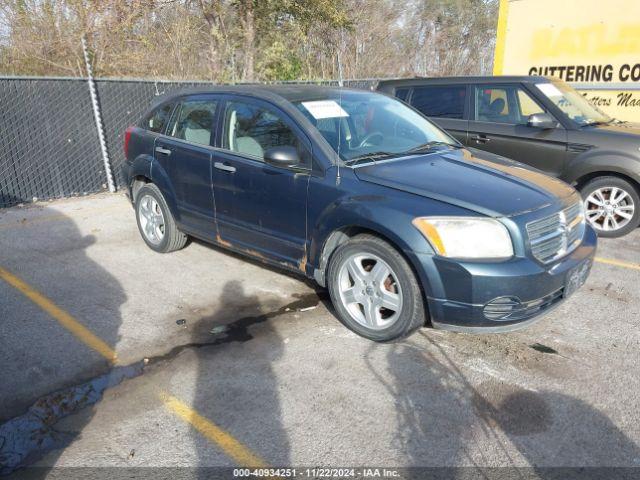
(250, 40)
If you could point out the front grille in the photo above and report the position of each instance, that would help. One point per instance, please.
(503, 309)
(554, 236)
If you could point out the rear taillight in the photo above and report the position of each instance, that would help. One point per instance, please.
(127, 137)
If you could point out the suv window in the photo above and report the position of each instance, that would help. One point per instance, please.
(505, 104)
(251, 130)
(440, 101)
(194, 121)
(157, 119)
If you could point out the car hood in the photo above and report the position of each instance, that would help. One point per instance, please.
(482, 182)
(621, 128)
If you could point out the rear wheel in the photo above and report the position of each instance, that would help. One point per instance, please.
(374, 290)
(612, 206)
(155, 222)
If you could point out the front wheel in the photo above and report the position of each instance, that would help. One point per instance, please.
(612, 206)
(374, 290)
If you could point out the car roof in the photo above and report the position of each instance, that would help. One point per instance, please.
(463, 80)
(278, 93)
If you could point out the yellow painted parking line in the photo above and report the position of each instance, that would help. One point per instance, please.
(227, 443)
(618, 263)
(65, 319)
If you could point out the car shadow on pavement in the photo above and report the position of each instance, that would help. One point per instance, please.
(47, 372)
(442, 418)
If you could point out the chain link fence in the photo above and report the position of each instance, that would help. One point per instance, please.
(49, 146)
(48, 141)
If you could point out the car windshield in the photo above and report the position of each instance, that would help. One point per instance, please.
(366, 125)
(573, 104)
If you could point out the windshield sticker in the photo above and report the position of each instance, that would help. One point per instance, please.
(324, 109)
(549, 89)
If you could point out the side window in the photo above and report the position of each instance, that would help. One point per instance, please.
(510, 104)
(440, 101)
(402, 94)
(252, 129)
(194, 121)
(157, 120)
(492, 105)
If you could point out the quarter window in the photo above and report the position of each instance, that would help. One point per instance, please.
(440, 101)
(528, 105)
(402, 94)
(194, 121)
(157, 120)
(251, 130)
(509, 104)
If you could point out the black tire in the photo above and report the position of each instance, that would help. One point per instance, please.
(610, 182)
(173, 239)
(412, 314)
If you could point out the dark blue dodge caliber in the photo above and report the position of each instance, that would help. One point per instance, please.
(365, 195)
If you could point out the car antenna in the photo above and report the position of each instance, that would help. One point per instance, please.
(340, 85)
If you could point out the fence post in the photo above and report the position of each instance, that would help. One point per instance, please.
(98, 118)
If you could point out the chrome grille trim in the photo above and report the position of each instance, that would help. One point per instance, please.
(556, 235)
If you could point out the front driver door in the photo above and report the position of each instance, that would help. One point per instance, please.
(261, 208)
(499, 125)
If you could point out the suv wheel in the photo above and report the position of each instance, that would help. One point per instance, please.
(155, 222)
(373, 289)
(612, 206)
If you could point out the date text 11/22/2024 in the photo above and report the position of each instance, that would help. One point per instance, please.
(317, 472)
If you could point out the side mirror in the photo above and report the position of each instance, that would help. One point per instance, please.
(284, 156)
(541, 120)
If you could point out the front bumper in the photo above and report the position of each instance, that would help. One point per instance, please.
(465, 295)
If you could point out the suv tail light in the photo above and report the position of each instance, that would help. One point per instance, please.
(127, 137)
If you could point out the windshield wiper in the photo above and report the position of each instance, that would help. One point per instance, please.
(597, 122)
(383, 154)
(371, 156)
(430, 145)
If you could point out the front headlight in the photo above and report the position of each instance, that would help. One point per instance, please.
(466, 237)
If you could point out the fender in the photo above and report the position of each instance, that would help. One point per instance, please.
(382, 219)
(598, 160)
(145, 165)
(141, 166)
(369, 212)
(160, 177)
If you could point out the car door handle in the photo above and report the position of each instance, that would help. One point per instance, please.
(481, 139)
(224, 166)
(164, 151)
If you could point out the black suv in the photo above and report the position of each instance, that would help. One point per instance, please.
(545, 123)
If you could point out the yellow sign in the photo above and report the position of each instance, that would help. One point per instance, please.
(585, 42)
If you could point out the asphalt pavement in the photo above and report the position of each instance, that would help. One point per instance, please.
(120, 357)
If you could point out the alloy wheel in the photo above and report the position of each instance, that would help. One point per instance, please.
(151, 219)
(609, 208)
(370, 291)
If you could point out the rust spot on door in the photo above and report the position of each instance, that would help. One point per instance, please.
(222, 242)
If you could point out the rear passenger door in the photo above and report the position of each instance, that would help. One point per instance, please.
(185, 152)
(498, 124)
(445, 105)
